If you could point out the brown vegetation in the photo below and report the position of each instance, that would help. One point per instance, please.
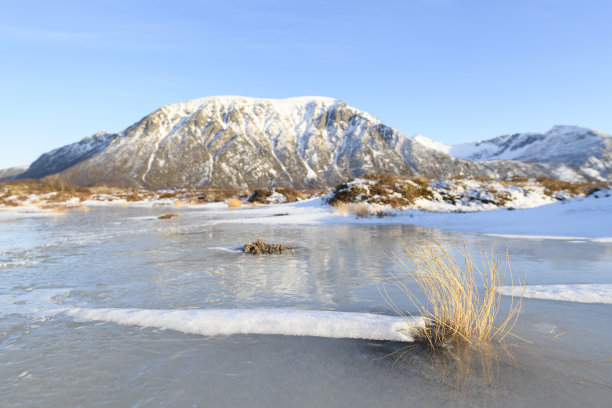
(167, 216)
(260, 196)
(234, 203)
(382, 189)
(259, 247)
(462, 300)
(553, 186)
(291, 194)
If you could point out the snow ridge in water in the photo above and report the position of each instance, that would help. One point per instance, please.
(261, 321)
(214, 322)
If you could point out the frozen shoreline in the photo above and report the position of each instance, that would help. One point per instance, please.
(580, 218)
(585, 218)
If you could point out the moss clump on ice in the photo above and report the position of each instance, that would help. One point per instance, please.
(259, 247)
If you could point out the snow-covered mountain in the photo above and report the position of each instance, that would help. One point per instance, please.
(66, 156)
(233, 141)
(571, 153)
(236, 142)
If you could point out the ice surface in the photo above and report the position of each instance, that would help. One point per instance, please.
(122, 268)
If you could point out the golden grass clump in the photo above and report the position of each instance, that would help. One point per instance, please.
(233, 203)
(553, 186)
(56, 208)
(360, 210)
(462, 300)
(167, 216)
(79, 207)
(290, 194)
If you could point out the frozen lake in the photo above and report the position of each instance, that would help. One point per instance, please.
(126, 258)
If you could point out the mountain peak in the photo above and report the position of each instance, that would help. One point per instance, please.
(567, 129)
(238, 142)
(432, 144)
(237, 100)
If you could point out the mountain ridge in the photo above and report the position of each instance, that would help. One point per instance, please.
(235, 142)
(586, 152)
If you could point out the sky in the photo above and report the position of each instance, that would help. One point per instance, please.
(452, 70)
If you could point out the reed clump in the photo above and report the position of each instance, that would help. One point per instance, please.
(233, 203)
(462, 300)
(167, 216)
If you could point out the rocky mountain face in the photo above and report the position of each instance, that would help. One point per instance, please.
(571, 153)
(238, 142)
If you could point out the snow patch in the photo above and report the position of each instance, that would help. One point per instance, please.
(261, 321)
(432, 144)
(222, 322)
(583, 293)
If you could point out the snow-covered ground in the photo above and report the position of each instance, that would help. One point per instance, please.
(582, 218)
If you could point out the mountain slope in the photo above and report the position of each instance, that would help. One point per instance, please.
(69, 155)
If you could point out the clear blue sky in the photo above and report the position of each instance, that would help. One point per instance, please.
(452, 70)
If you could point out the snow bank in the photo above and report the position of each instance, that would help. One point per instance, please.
(577, 218)
(583, 293)
(584, 218)
(44, 303)
(260, 321)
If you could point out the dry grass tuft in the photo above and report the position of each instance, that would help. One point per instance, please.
(291, 194)
(360, 210)
(58, 209)
(553, 186)
(233, 203)
(167, 216)
(79, 207)
(462, 301)
(342, 209)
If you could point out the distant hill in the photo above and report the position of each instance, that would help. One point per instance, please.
(69, 155)
(12, 172)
